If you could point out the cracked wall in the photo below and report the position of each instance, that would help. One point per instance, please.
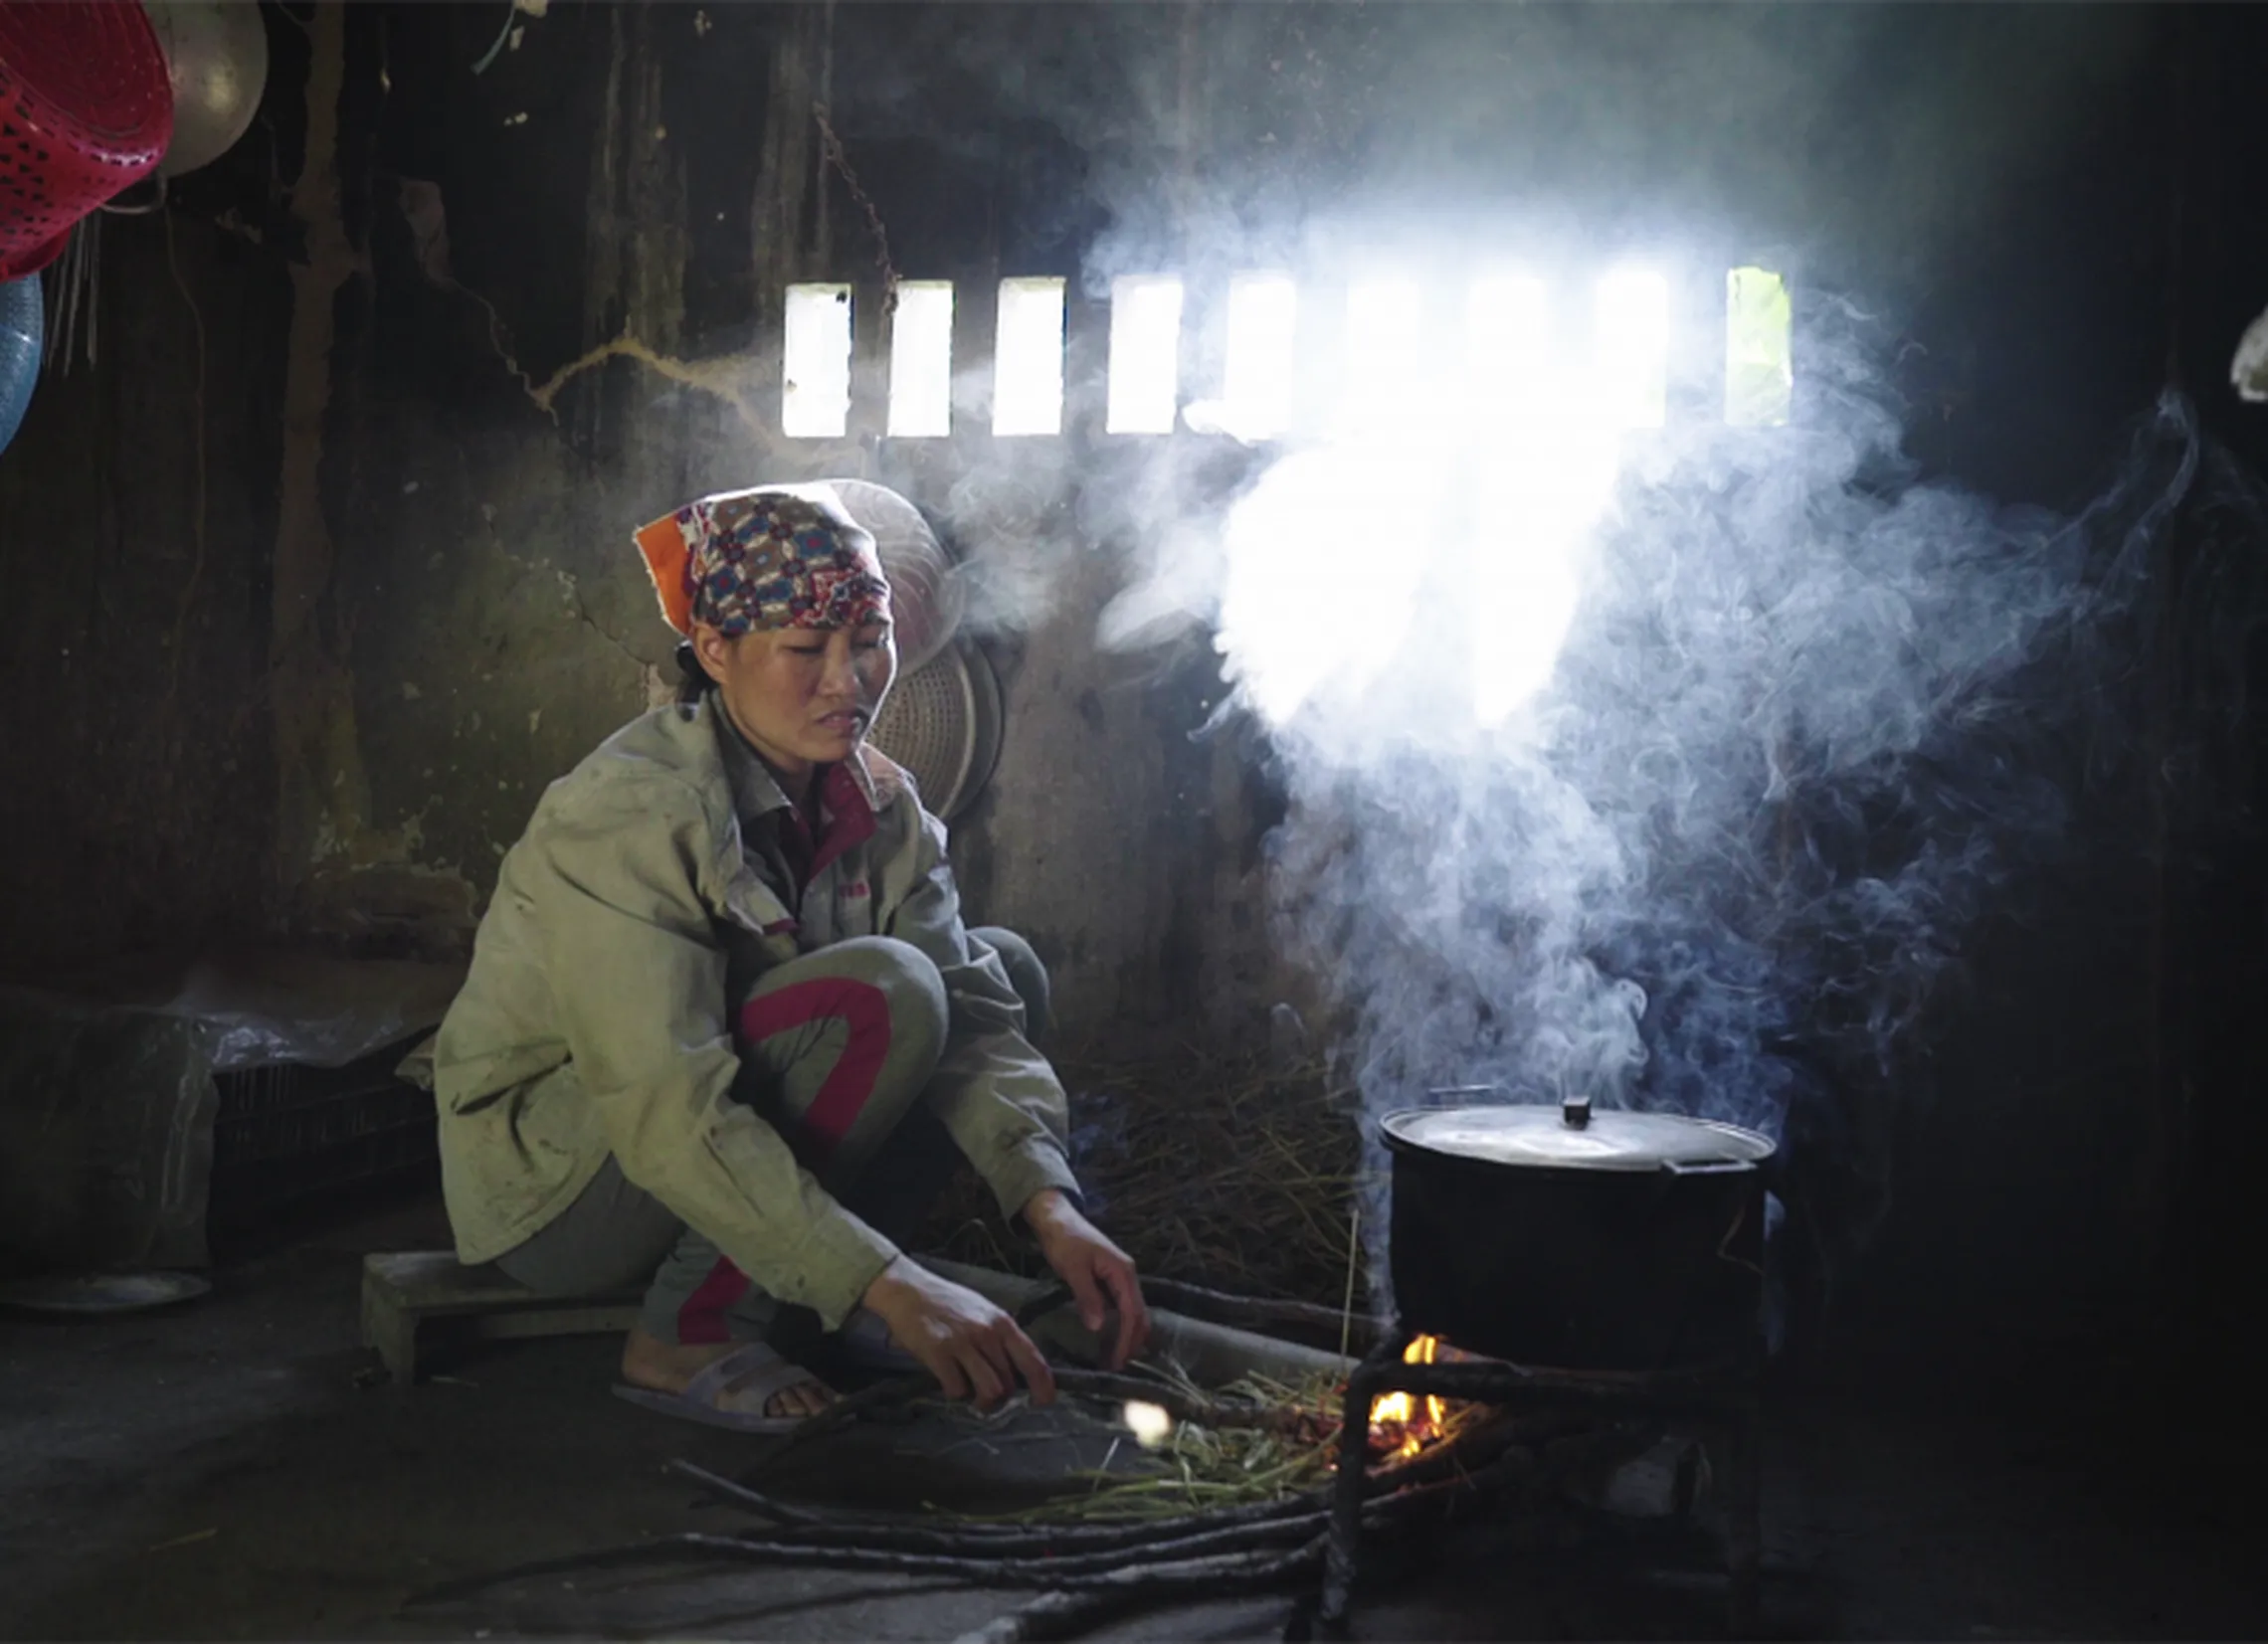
(323, 572)
(560, 320)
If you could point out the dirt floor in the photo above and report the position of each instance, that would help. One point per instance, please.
(219, 1470)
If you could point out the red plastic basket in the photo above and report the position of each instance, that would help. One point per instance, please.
(86, 110)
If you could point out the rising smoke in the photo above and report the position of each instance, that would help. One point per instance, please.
(1806, 720)
(1810, 711)
(1756, 680)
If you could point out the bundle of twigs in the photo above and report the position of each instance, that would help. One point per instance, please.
(1224, 1176)
(1255, 1441)
(1255, 1404)
(1092, 1570)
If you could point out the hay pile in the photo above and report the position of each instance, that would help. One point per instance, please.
(1202, 1467)
(1219, 1459)
(1229, 1174)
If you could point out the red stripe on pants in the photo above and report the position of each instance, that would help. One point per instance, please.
(701, 1318)
(865, 1010)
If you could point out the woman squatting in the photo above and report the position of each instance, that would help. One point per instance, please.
(725, 1035)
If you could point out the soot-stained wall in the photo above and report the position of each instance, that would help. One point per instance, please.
(459, 335)
(461, 331)
(570, 326)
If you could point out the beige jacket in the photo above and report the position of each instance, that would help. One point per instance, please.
(593, 1021)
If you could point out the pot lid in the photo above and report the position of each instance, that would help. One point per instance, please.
(1572, 1136)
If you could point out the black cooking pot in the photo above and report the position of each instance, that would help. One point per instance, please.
(1560, 1237)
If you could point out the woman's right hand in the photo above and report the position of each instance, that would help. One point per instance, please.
(975, 1349)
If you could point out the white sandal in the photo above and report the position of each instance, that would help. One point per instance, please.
(753, 1368)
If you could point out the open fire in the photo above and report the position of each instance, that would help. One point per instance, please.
(1401, 1425)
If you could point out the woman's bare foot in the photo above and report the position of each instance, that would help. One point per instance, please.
(667, 1366)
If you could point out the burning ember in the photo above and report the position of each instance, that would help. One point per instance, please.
(1398, 1426)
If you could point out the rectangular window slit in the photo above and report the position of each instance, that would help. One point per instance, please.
(1260, 365)
(921, 360)
(1028, 358)
(815, 389)
(1145, 354)
(1759, 372)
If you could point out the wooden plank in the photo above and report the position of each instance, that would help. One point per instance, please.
(402, 1291)
(595, 1319)
(391, 1332)
(435, 1278)
(434, 1282)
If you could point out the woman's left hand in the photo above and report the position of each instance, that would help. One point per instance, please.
(1093, 1268)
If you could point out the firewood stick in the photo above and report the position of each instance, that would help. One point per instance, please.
(1072, 1549)
(1111, 1569)
(1491, 1384)
(1472, 1447)
(980, 1572)
(1229, 1572)
(1039, 1537)
(1068, 1557)
(1188, 1565)
(903, 1390)
(1225, 1306)
(1226, 1548)
(1204, 1413)
(779, 1512)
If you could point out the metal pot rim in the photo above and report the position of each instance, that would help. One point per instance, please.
(1536, 1135)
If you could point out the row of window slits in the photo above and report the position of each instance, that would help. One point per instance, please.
(1404, 359)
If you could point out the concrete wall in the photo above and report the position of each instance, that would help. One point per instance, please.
(138, 524)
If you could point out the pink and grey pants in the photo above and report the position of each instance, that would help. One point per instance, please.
(837, 1047)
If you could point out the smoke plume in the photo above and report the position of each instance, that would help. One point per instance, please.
(1787, 717)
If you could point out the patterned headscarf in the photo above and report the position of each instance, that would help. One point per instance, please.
(776, 556)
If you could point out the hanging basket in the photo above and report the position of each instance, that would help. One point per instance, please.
(86, 110)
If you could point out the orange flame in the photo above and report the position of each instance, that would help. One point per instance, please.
(1393, 1416)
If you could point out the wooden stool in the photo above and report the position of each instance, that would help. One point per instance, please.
(405, 1290)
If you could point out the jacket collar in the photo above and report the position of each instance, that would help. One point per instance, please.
(757, 792)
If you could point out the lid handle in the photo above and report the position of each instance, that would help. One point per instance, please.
(1575, 1112)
